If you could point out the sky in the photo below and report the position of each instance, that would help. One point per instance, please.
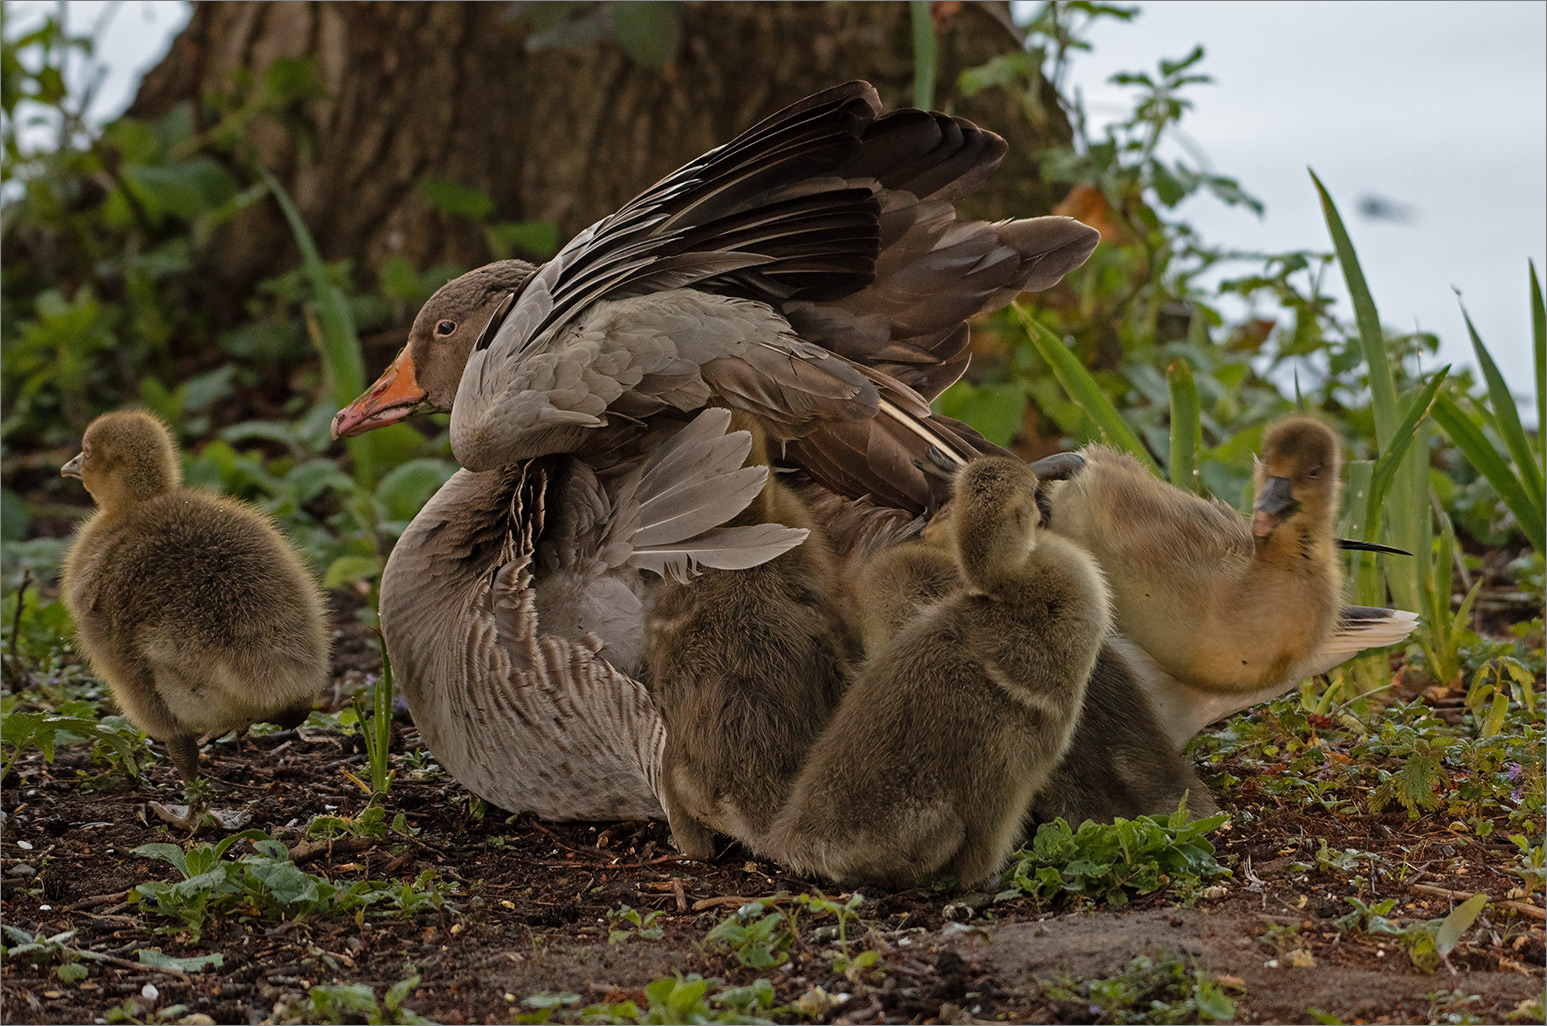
(1438, 108)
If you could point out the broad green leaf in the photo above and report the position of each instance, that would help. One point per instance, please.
(1186, 430)
(455, 198)
(1505, 414)
(186, 189)
(995, 410)
(1082, 388)
(1476, 447)
(405, 489)
(166, 852)
(151, 957)
(1390, 459)
(1458, 922)
(1539, 354)
(924, 55)
(538, 239)
(649, 31)
(345, 569)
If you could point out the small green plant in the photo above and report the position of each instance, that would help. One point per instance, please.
(376, 729)
(356, 1002)
(113, 740)
(1428, 944)
(687, 999)
(1111, 862)
(1151, 990)
(267, 884)
(44, 949)
(625, 923)
(758, 937)
(372, 822)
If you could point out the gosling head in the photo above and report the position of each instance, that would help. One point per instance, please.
(126, 457)
(425, 375)
(994, 519)
(1297, 475)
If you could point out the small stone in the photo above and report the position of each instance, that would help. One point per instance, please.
(149, 992)
(23, 870)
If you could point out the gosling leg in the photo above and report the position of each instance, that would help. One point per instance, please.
(184, 749)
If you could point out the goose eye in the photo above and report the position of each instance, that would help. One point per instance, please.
(445, 327)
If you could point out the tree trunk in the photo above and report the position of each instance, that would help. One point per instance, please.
(456, 92)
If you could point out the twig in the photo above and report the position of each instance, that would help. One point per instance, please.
(124, 963)
(1518, 906)
(95, 900)
(21, 602)
(679, 893)
(308, 850)
(732, 899)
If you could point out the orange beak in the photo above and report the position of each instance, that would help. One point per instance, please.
(395, 395)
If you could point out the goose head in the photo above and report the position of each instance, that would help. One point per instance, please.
(994, 519)
(126, 457)
(425, 375)
(1296, 477)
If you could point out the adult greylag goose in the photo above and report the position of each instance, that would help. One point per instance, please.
(1228, 613)
(200, 616)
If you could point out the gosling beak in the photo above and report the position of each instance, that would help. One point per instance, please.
(1275, 503)
(395, 395)
(73, 468)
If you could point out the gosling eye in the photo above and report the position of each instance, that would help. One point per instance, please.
(445, 328)
(1313, 473)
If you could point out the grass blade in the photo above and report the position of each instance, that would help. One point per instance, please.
(923, 55)
(1372, 341)
(1476, 447)
(343, 366)
(1407, 514)
(1539, 350)
(1363, 523)
(342, 362)
(1506, 415)
(1458, 922)
(1186, 428)
(1390, 459)
(1083, 389)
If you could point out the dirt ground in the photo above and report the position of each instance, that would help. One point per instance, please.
(528, 903)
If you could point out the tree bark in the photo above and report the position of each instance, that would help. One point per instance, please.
(452, 91)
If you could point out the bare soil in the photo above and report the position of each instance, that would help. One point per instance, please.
(531, 900)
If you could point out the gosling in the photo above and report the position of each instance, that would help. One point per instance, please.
(1120, 762)
(199, 616)
(932, 759)
(1220, 604)
(746, 667)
